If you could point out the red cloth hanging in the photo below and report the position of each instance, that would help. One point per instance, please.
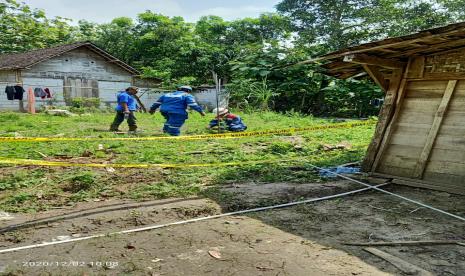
(31, 101)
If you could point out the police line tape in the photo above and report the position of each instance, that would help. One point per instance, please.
(44, 163)
(190, 137)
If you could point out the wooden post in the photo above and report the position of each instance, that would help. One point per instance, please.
(397, 108)
(385, 115)
(433, 133)
(389, 130)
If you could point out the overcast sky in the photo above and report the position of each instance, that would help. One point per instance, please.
(102, 11)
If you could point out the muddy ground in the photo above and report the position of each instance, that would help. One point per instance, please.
(301, 240)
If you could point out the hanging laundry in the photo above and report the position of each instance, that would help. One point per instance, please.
(10, 93)
(39, 92)
(31, 101)
(19, 91)
(48, 92)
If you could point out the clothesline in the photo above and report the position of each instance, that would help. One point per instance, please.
(83, 87)
(77, 87)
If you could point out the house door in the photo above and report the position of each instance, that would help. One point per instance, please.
(80, 87)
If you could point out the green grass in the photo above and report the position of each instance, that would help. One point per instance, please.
(29, 189)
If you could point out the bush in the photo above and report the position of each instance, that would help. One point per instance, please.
(80, 182)
(85, 102)
(280, 147)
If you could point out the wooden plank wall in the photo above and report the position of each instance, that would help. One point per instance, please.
(447, 160)
(425, 143)
(411, 128)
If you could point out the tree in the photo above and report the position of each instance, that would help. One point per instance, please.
(22, 28)
(342, 23)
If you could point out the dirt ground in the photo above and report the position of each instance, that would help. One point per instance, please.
(301, 240)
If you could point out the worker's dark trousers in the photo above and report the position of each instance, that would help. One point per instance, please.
(119, 118)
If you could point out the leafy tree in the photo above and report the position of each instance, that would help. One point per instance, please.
(22, 28)
(116, 37)
(341, 23)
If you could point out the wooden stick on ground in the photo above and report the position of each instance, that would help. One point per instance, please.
(426, 242)
(404, 266)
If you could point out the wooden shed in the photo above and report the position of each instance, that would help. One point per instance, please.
(78, 69)
(420, 137)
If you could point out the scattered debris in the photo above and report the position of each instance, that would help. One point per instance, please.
(18, 135)
(264, 268)
(63, 156)
(60, 112)
(215, 254)
(62, 238)
(130, 246)
(157, 260)
(110, 169)
(404, 266)
(5, 216)
(41, 154)
(86, 153)
(343, 145)
(338, 170)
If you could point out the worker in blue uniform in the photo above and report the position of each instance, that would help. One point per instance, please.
(233, 122)
(125, 109)
(173, 107)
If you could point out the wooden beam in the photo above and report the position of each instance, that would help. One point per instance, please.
(402, 265)
(405, 243)
(385, 115)
(429, 50)
(429, 185)
(445, 76)
(376, 75)
(347, 75)
(433, 133)
(390, 128)
(417, 68)
(372, 60)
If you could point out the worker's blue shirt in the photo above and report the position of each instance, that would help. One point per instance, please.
(176, 102)
(124, 97)
(233, 122)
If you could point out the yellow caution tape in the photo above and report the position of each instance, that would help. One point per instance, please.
(191, 137)
(29, 162)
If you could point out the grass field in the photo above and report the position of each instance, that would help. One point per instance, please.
(31, 189)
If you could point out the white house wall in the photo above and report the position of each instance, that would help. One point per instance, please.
(7, 78)
(206, 98)
(109, 90)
